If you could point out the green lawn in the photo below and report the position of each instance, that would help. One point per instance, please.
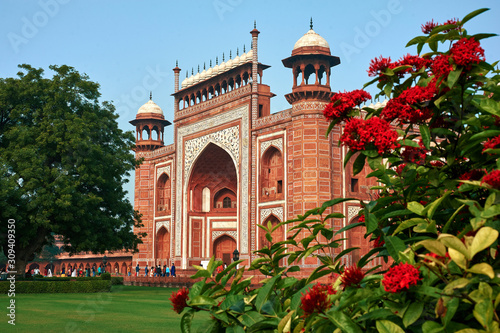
(125, 309)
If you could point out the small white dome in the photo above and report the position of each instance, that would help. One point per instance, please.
(215, 70)
(250, 55)
(243, 58)
(210, 72)
(229, 64)
(190, 81)
(150, 107)
(196, 78)
(311, 38)
(236, 61)
(222, 67)
(184, 83)
(203, 75)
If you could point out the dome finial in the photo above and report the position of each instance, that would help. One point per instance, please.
(254, 24)
(238, 51)
(311, 25)
(210, 63)
(187, 72)
(177, 63)
(204, 65)
(198, 68)
(217, 60)
(223, 57)
(230, 54)
(150, 95)
(192, 71)
(244, 48)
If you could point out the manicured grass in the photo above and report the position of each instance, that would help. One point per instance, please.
(125, 309)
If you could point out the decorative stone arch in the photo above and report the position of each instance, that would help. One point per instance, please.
(355, 237)
(155, 133)
(222, 194)
(223, 247)
(163, 192)
(147, 131)
(308, 71)
(162, 243)
(272, 174)
(123, 269)
(278, 235)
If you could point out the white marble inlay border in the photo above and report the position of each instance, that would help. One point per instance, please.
(278, 143)
(161, 170)
(276, 211)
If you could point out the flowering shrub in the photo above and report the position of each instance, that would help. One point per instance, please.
(435, 220)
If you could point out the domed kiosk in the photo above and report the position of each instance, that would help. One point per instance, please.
(149, 124)
(311, 60)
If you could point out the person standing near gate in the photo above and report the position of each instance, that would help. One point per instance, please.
(137, 270)
(172, 270)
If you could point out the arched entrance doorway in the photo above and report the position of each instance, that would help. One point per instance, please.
(223, 248)
(162, 245)
(212, 196)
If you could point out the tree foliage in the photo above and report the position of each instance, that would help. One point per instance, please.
(63, 164)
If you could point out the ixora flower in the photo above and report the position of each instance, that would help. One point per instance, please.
(492, 143)
(352, 276)
(492, 179)
(467, 51)
(379, 65)
(342, 103)
(400, 277)
(316, 299)
(359, 133)
(179, 298)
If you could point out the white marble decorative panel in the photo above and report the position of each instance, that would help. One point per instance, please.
(216, 234)
(276, 211)
(228, 138)
(278, 143)
(165, 224)
(224, 225)
(161, 170)
(352, 212)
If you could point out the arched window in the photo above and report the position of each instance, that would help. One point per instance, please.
(205, 200)
(226, 202)
(163, 195)
(271, 175)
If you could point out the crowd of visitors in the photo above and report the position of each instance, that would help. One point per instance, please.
(156, 271)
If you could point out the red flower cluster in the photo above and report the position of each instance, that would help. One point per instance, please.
(361, 219)
(359, 133)
(472, 175)
(400, 168)
(400, 277)
(427, 27)
(441, 66)
(379, 65)
(342, 103)
(492, 179)
(416, 62)
(415, 155)
(316, 299)
(467, 51)
(401, 107)
(179, 298)
(352, 276)
(492, 143)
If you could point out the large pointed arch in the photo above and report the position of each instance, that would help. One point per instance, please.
(223, 248)
(162, 244)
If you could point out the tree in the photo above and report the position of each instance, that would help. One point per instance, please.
(63, 164)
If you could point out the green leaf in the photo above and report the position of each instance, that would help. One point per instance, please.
(485, 134)
(413, 313)
(250, 318)
(431, 327)
(386, 326)
(431, 209)
(483, 268)
(394, 245)
(433, 246)
(264, 292)
(388, 89)
(453, 77)
(483, 239)
(425, 133)
(286, 323)
(408, 224)
(359, 164)
(416, 40)
(201, 300)
(186, 321)
(473, 14)
(330, 127)
(453, 243)
(342, 321)
(491, 212)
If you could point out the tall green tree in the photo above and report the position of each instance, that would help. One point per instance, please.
(63, 164)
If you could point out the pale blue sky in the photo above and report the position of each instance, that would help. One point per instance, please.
(129, 47)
